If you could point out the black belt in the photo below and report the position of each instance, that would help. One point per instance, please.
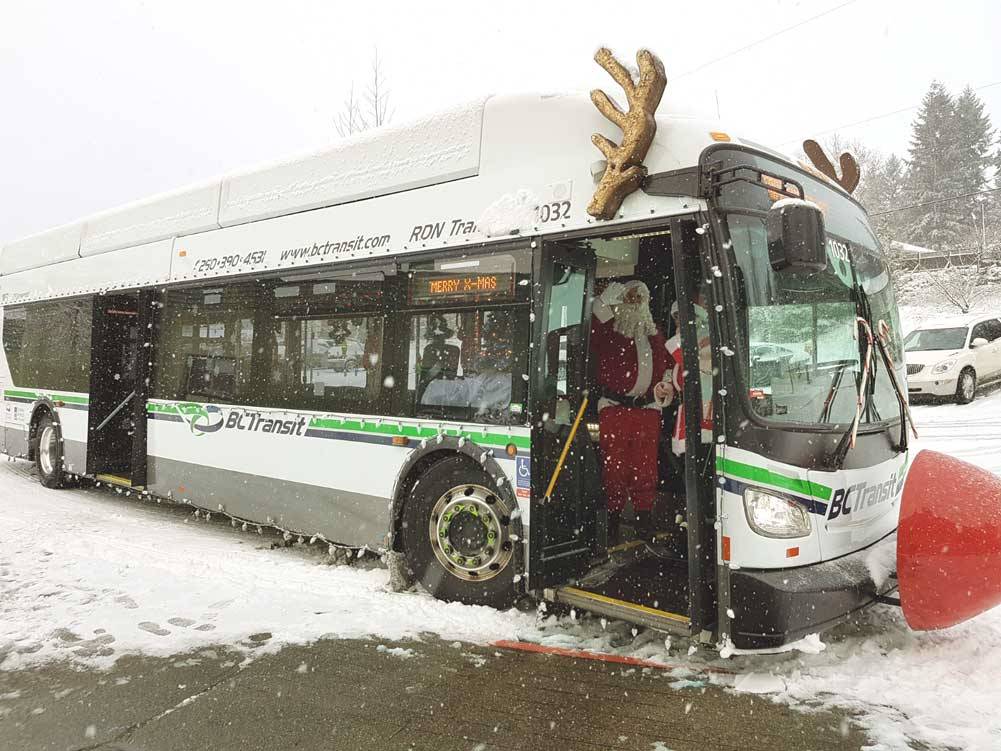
(624, 400)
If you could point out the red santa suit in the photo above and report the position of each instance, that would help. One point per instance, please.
(629, 418)
(678, 381)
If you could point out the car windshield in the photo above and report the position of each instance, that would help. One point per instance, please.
(801, 357)
(931, 339)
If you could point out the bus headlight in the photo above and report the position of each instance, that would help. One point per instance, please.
(772, 515)
(944, 367)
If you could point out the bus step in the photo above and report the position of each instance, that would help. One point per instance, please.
(122, 482)
(631, 612)
(625, 547)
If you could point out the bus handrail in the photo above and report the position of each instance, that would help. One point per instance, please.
(117, 409)
(566, 450)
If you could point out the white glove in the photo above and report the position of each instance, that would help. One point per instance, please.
(663, 394)
(613, 293)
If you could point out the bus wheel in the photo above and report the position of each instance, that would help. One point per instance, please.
(49, 453)
(966, 387)
(457, 535)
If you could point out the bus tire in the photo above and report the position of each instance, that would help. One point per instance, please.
(966, 386)
(456, 531)
(49, 453)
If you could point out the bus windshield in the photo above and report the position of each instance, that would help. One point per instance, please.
(800, 353)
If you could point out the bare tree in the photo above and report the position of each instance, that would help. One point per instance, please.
(349, 120)
(377, 96)
(370, 111)
(958, 284)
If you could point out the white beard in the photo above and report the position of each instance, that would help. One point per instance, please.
(634, 320)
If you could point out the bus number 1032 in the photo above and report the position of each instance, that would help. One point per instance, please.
(554, 212)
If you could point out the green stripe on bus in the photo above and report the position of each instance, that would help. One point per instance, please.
(70, 399)
(414, 431)
(20, 394)
(17, 394)
(759, 474)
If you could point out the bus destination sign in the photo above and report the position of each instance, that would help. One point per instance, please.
(432, 286)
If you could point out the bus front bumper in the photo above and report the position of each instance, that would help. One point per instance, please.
(775, 607)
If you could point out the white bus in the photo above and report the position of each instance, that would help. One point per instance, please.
(385, 344)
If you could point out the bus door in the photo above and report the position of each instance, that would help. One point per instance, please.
(699, 303)
(566, 502)
(119, 384)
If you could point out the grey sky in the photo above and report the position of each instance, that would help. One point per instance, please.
(108, 101)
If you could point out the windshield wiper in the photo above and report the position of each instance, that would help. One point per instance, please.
(863, 386)
(839, 374)
(883, 345)
(866, 384)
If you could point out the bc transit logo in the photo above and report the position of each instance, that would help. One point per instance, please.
(864, 495)
(208, 418)
(202, 418)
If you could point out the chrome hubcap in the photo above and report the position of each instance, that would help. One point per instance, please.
(46, 449)
(469, 532)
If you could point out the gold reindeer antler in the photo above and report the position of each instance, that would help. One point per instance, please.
(850, 172)
(625, 170)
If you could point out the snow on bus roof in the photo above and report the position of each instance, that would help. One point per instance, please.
(440, 148)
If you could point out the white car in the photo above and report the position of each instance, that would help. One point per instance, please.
(953, 357)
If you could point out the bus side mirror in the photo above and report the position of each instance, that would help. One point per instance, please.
(796, 239)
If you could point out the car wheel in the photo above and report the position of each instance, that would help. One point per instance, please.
(49, 453)
(457, 535)
(966, 386)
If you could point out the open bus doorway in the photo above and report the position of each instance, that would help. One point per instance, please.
(119, 386)
(662, 577)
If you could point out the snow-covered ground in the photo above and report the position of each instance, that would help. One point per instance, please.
(91, 575)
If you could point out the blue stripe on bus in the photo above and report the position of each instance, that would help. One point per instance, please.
(812, 505)
(162, 416)
(339, 435)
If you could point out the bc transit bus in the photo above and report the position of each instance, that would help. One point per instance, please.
(385, 345)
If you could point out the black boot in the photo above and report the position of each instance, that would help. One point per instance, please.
(614, 522)
(644, 526)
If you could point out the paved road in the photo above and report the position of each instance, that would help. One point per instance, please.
(360, 695)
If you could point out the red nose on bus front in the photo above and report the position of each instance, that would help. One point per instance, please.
(948, 542)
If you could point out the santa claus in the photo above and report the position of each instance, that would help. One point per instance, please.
(633, 371)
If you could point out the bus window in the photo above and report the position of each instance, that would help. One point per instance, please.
(467, 365)
(566, 306)
(322, 348)
(48, 344)
(15, 323)
(327, 364)
(207, 344)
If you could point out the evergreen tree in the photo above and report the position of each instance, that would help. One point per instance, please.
(885, 192)
(994, 205)
(932, 174)
(976, 140)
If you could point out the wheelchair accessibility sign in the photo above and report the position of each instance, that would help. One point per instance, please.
(523, 470)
